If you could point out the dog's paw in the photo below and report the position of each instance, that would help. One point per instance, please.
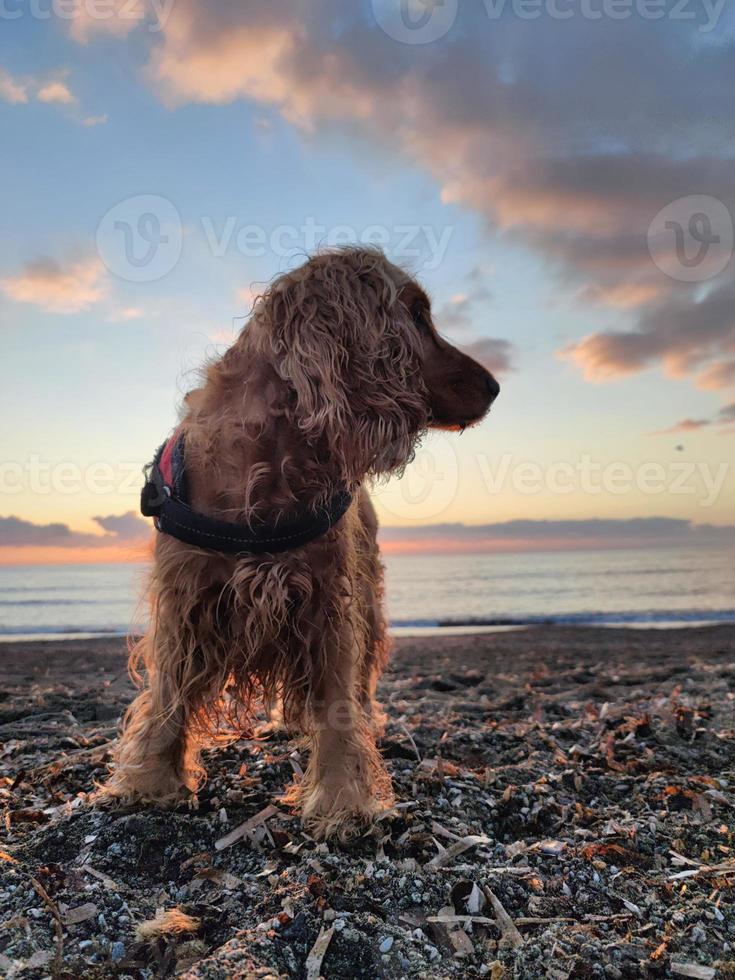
(340, 814)
(123, 788)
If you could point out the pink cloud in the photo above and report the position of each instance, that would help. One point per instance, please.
(12, 90)
(46, 284)
(57, 91)
(686, 425)
(554, 160)
(113, 17)
(721, 374)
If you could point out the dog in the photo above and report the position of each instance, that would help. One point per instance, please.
(338, 374)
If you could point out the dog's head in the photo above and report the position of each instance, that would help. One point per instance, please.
(352, 338)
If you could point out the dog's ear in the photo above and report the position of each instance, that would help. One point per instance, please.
(347, 349)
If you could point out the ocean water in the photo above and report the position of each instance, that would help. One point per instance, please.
(664, 587)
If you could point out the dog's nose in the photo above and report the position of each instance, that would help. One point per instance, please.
(493, 387)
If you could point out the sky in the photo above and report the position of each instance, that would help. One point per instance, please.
(560, 175)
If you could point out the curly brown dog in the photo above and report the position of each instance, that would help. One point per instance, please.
(337, 375)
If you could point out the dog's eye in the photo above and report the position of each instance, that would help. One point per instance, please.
(421, 317)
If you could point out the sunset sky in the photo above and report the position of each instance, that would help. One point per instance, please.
(564, 186)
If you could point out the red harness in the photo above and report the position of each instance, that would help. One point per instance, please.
(165, 498)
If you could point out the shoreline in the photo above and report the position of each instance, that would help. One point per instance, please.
(428, 629)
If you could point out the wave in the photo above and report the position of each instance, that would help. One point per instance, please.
(662, 618)
(56, 634)
(54, 602)
(654, 617)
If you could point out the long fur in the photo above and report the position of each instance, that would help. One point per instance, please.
(327, 387)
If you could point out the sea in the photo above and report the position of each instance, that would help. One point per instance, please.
(664, 588)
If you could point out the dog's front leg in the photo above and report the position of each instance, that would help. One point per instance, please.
(156, 759)
(345, 784)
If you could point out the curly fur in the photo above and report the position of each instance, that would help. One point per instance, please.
(332, 383)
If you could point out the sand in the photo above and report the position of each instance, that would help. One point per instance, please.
(564, 810)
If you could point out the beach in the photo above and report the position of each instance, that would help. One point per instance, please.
(563, 809)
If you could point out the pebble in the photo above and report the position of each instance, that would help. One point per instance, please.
(339, 925)
(386, 945)
(699, 936)
(117, 952)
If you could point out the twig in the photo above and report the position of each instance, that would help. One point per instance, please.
(58, 925)
(317, 953)
(458, 847)
(246, 827)
(504, 921)
(409, 736)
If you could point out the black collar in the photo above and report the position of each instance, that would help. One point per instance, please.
(164, 497)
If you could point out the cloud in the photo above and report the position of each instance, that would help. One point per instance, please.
(464, 309)
(57, 91)
(55, 289)
(496, 355)
(11, 90)
(115, 17)
(680, 334)
(246, 296)
(16, 532)
(123, 528)
(612, 533)
(567, 140)
(686, 425)
(461, 319)
(53, 91)
(126, 314)
(725, 416)
(129, 528)
(720, 374)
